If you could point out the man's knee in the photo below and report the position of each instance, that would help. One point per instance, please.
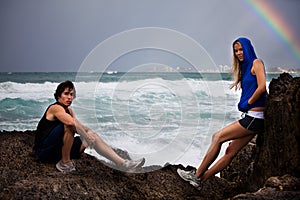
(69, 130)
(82, 147)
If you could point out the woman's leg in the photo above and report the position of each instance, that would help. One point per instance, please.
(231, 132)
(234, 147)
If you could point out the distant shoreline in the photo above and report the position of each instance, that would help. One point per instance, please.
(115, 72)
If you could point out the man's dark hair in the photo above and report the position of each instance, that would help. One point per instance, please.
(61, 88)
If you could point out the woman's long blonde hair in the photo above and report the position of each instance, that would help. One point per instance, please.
(236, 70)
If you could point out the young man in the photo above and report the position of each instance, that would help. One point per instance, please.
(55, 141)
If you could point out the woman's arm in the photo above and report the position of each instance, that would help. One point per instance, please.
(259, 71)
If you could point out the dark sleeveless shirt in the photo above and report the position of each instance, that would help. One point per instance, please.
(45, 126)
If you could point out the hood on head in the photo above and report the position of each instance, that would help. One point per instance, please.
(248, 50)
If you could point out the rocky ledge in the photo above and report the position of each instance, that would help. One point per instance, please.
(267, 168)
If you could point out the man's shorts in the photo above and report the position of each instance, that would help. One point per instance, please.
(251, 123)
(49, 150)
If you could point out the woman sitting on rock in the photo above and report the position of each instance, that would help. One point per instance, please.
(249, 75)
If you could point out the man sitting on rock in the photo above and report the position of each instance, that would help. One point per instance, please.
(55, 141)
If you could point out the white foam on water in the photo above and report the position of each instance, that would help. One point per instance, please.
(163, 121)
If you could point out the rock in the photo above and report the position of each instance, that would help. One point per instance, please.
(21, 177)
(276, 152)
(279, 188)
(274, 182)
(279, 147)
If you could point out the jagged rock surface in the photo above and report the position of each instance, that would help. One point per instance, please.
(23, 178)
(276, 152)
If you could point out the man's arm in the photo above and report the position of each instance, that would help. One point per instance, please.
(58, 112)
(84, 131)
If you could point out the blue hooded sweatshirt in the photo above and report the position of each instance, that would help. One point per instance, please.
(249, 81)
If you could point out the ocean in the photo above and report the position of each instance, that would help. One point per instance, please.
(166, 117)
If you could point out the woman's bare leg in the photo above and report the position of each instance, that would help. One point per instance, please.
(231, 132)
(234, 147)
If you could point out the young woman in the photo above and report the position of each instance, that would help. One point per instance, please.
(55, 141)
(249, 75)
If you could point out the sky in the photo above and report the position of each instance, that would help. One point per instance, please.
(59, 35)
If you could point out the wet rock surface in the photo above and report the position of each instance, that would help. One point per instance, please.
(274, 154)
(23, 178)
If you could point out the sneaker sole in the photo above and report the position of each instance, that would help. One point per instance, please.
(197, 185)
(66, 171)
(141, 163)
(179, 173)
(194, 184)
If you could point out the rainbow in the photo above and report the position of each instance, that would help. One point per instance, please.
(276, 22)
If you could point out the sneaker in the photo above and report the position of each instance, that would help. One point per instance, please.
(190, 176)
(65, 167)
(132, 164)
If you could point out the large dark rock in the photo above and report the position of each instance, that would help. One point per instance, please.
(279, 188)
(21, 177)
(276, 152)
(279, 147)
